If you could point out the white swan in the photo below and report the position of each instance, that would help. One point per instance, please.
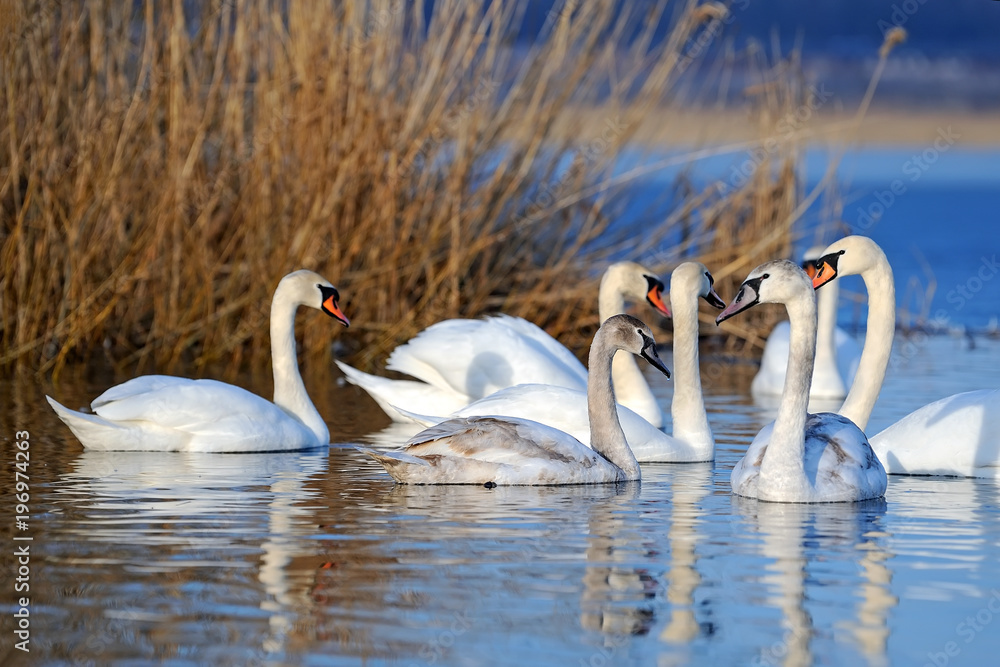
(956, 435)
(837, 353)
(460, 361)
(802, 458)
(566, 409)
(165, 413)
(506, 450)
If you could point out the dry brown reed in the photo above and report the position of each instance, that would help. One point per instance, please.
(164, 164)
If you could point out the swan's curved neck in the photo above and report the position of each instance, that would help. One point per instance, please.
(690, 422)
(610, 300)
(826, 304)
(881, 327)
(785, 457)
(606, 435)
(631, 386)
(826, 372)
(289, 391)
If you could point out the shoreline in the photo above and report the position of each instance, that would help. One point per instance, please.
(880, 127)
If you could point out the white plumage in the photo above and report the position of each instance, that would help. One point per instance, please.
(956, 435)
(566, 409)
(165, 413)
(496, 450)
(456, 362)
(801, 458)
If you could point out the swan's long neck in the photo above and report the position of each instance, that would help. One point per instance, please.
(688, 405)
(606, 435)
(289, 391)
(784, 461)
(826, 316)
(826, 352)
(631, 386)
(881, 327)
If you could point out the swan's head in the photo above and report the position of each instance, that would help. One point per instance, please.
(635, 283)
(695, 277)
(777, 281)
(632, 335)
(850, 256)
(308, 288)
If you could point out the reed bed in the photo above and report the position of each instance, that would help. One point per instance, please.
(164, 164)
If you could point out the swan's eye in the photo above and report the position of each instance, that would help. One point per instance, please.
(766, 275)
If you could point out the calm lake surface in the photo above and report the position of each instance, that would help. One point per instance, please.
(318, 558)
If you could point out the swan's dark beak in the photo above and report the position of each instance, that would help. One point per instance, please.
(826, 269)
(655, 295)
(714, 299)
(330, 306)
(747, 297)
(810, 267)
(650, 354)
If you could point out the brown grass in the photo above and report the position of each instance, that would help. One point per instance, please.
(161, 171)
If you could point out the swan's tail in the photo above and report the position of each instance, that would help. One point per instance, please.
(374, 386)
(397, 463)
(417, 418)
(396, 455)
(413, 397)
(87, 428)
(356, 377)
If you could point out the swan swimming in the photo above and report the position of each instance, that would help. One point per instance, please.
(801, 457)
(500, 450)
(566, 409)
(956, 435)
(166, 413)
(459, 361)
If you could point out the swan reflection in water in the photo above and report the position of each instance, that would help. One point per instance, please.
(624, 584)
(169, 516)
(468, 562)
(619, 595)
(793, 535)
(296, 555)
(691, 485)
(393, 436)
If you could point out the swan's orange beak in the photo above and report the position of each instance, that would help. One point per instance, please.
(330, 304)
(655, 298)
(655, 295)
(823, 274)
(331, 308)
(810, 268)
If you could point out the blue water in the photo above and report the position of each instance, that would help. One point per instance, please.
(320, 559)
